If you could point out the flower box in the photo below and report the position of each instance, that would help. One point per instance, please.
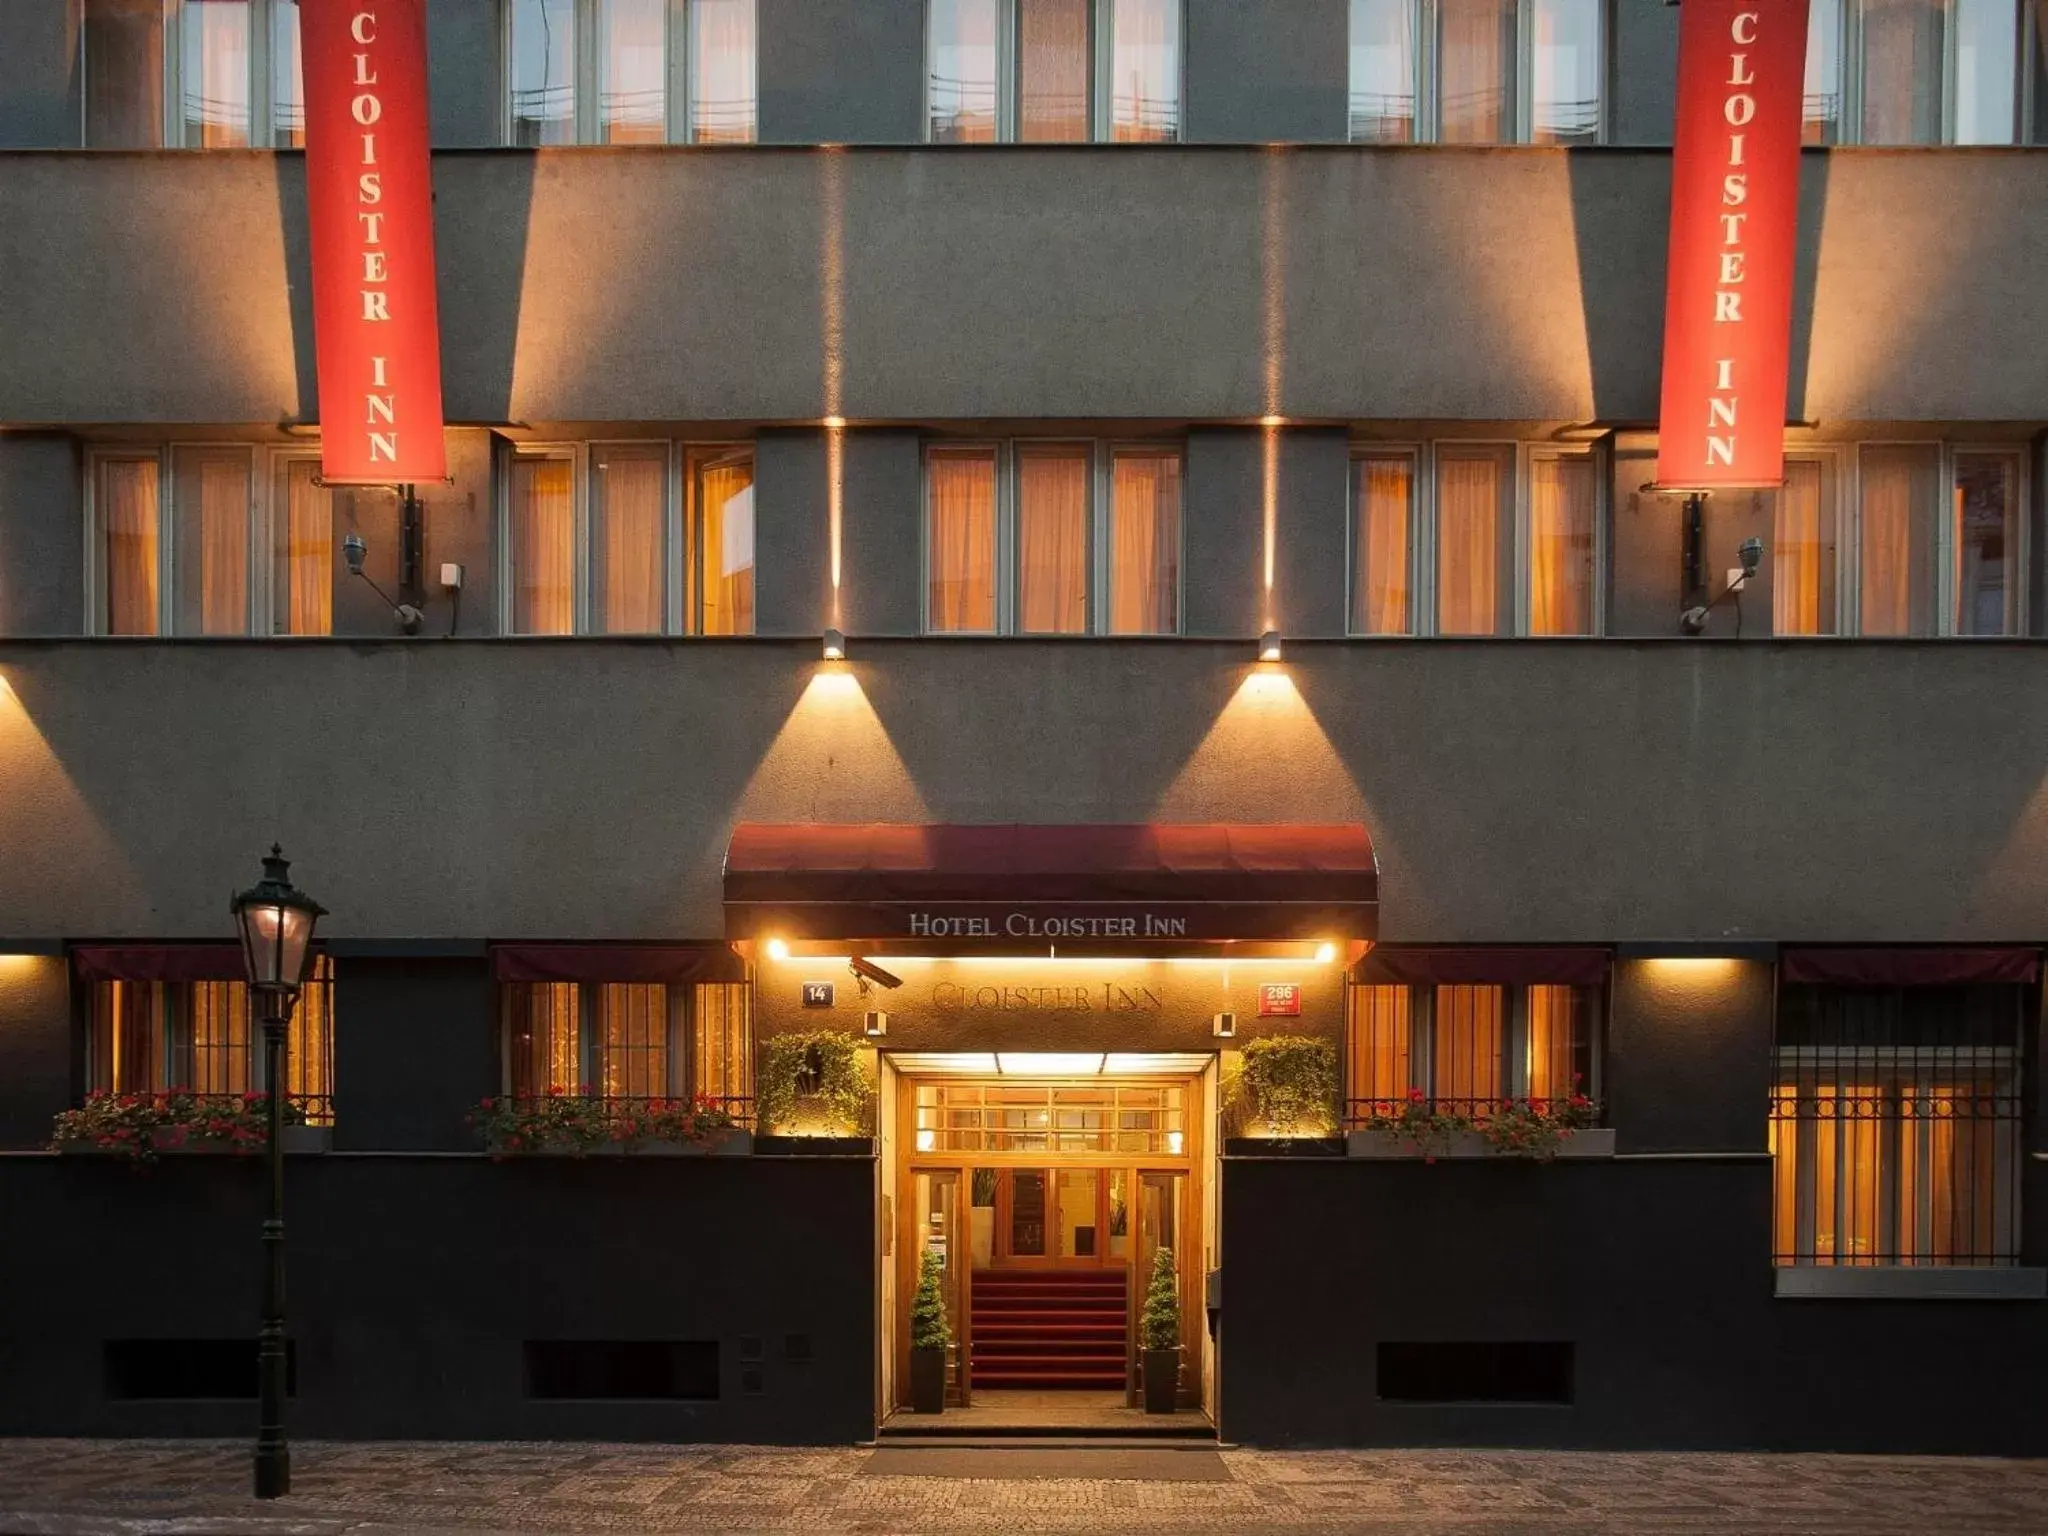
(559, 1124)
(727, 1141)
(298, 1140)
(1595, 1141)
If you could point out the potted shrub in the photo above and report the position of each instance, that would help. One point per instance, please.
(1284, 1097)
(931, 1335)
(1159, 1333)
(812, 1094)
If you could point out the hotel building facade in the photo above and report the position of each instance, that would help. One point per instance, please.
(1135, 521)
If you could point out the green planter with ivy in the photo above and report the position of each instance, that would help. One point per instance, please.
(1159, 1333)
(931, 1335)
(812, 1093)
(1283, 1098)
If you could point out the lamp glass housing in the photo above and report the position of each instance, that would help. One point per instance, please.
(276, 921)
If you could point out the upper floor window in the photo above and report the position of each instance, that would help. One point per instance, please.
(1477, 71)
(637, 538)
(1476, 539)
(1465, 1048)
(1899, 539)
(1051, 71)
(196, 74)
(629, 1040)
(1052, 538)
(1914, 71)
(210, 539)
(197, 1037)
(631, 71)
(1895, 1123)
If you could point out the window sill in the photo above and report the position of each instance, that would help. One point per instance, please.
(1910, 1282)
(733, 1142)
(1596, 1142)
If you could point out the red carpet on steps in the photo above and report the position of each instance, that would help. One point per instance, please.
(1050, 1328)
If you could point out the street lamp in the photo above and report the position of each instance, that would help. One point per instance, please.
(276, 920)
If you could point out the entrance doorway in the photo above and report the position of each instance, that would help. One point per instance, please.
(1048, 1198)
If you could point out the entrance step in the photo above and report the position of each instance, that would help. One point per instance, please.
(1050, 1329)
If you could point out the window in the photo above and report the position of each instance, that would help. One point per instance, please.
(1928, 539)
(1913, 72)
(199, 1037)
(631, 71)
(193, 74)
(629, 1040)
(639, 538)
(1053, 71)
(1052, 538)
(211, 539)
(1466, 1048)
(1895, 1124)
(1477, 71)
(1463, 553)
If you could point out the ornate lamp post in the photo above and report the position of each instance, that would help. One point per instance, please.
(276, 920)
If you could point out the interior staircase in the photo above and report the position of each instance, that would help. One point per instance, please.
(1048, 1329)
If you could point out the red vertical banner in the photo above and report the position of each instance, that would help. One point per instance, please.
(1734, 236)
(370, 216)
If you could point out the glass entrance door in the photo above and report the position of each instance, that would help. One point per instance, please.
(1159, 1223)
(941, 1228)
(1054, 1216)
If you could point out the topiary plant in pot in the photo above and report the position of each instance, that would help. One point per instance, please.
(1159, 1332)
(931, 1335)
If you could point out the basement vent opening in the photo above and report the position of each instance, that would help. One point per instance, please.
(189, 1369)
(645, 1369)
(1475, 1373)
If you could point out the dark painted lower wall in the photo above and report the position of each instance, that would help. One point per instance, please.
(1654, 1270)
(415, 1280)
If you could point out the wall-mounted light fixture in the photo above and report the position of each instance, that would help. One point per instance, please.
(874, 1023)
(354, 550)
(835, 645)
(778, 949)
(1269, 645)
(1224, 1026)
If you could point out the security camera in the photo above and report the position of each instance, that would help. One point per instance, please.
(1751, 554)
(866, 971)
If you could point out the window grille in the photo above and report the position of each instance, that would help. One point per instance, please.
(1468, 1048)
(630, 1041)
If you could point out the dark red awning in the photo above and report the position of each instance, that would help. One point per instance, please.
(160, 962)
(1156, 881)
(1482, 965)
(1908, 966)
(673, 964)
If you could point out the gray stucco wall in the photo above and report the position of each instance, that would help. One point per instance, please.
(1225, 592)
(466, 73)
(39, 102)
(1275, 73)
(1514, 285)
(42, 544)
(1517, 790)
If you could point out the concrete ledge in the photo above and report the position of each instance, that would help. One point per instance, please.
(1597, 1141)
(1910, 1282)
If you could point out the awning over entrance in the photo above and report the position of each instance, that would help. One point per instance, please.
(1158, 882)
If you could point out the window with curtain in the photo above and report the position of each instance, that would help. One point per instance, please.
(1144, 541)
(960, 540)
(542, 545)
(600, 72)
(1804, 557)
(1895, 536)
(1052, 538)
(1474, 499)
(202, 1037)
(211, 504)
(1466, 1048)
(628, 1040)
(722, 496)
(125, 496)
(1566, 67)
(1895, 1124)
(1984, 537)
(1476, 71)
(1482, 55)
(229, 70)
(1564, 502)
(1913, 71)
(1052, 71)
(629, 539)
(1382, 541)
(302, 550)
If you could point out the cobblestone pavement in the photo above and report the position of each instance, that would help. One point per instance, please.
(197, 1488)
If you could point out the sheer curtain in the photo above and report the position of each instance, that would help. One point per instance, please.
(543, 1045)
(632, 72)
(1144, 542)
(543, 511)
(961, 85)
(287, 77)
(724, 499)
(633, 1040)
(543, 70)
(122, 46)
(628, 539)
(1378, 1054)
(1563, 508)
(1144, 90)
(126, 1052)
(722, 93)
(1897, 504)
(215, 73)
(1052, 70)
(1470, 490)
(210, 515)
(1902, 70)
(1052, 540)
(126, 493)
(1559, 1043)
(1465, 1044)
(1383, 71)
(309, 1069)
(722, 1040)
(1803, 559)
(303, 552)
(1566, 71)
(1382, 500)
(960, 546)
(1985, 527)
(1475, 71)
(216, 1047)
